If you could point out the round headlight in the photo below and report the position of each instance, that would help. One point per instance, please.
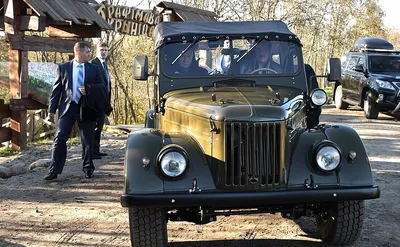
(328, 158)
(173, 164)
(319, 97)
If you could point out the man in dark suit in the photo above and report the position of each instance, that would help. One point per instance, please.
(66, 96)
(101, 61)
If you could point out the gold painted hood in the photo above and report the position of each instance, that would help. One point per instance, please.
(234, 103)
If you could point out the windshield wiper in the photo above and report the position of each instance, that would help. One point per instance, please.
(185, 50)
(258, 41)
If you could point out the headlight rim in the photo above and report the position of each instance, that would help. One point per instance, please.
(313, 92)
(165, 150)
(317, 147)
(385, 81)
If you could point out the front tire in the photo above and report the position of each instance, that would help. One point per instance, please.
(370, 109)
(341, 224)
(148, 227)
(338, 99)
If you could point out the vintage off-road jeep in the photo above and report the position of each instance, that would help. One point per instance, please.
(223, 140)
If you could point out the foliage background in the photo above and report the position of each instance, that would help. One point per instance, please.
(326, 28)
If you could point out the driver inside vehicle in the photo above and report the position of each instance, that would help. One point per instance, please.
(260, 61)
(186, 63)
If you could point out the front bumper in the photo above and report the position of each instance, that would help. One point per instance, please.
(249, 199)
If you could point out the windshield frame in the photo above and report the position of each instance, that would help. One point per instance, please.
(234, 72)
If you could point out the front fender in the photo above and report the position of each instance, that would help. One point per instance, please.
(359, 171)
(355, 173)
(139, 179)
(145, 180)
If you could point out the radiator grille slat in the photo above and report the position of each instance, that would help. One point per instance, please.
(252, 155)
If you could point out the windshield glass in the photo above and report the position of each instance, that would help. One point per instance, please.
(212, 58)
(384, 64)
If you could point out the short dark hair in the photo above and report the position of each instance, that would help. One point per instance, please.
(81, 45)
(102, 44)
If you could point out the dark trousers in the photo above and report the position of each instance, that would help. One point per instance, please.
(97, 132)
(64, 128)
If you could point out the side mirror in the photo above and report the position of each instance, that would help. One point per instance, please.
(334, 69)
(140, 68)
(359, 68)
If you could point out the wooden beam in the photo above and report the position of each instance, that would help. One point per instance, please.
(5, 134)
(18, 73)
(83, 31)
(34, 43)
(11, 13)
(32, 23)
(4, 110)
(25, 104)
(2, 22)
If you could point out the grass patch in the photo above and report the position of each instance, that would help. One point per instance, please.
(43, 141)
(329, 91)
(74, 141)
(5, 151)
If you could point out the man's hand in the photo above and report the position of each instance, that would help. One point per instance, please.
(50, 117)
(82, 90)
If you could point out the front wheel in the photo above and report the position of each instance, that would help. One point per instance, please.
(341, 223)
(370, 109)
(148, 227)
(339, 103)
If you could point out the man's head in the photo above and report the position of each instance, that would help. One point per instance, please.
(185, 61)
(102, 50)
(82, 51)
(263, 51)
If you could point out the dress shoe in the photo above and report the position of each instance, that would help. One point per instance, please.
(100, 154)
(96, 157)
(88, 174)
(51, 176)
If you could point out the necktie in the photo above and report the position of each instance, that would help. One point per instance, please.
(107, 76)
(79, 83)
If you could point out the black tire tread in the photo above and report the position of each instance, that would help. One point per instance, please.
(148, 227)
(373, 111)
(348, 224)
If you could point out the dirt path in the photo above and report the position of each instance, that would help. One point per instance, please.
(74, 211)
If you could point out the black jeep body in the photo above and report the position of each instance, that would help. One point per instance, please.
(229, 142)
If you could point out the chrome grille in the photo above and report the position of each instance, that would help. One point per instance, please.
(252, 153)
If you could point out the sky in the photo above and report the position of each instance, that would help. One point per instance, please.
(391, 8)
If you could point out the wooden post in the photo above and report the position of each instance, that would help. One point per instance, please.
(32, 126)
(18, 74)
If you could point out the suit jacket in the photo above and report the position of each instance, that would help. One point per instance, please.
(61, 94)
(95, 102)
(103, 74)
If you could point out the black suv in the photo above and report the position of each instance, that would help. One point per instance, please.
(370, 78)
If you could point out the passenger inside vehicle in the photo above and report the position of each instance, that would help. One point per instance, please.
(186, 63)
(260, 61)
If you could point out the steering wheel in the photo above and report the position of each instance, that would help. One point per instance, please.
(263, 69)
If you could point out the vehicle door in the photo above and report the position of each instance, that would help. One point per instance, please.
(349, 77)
(359, 79)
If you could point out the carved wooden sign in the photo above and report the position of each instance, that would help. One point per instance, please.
(129, 20)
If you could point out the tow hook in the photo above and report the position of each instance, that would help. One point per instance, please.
(310, 185)
(195, 188)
